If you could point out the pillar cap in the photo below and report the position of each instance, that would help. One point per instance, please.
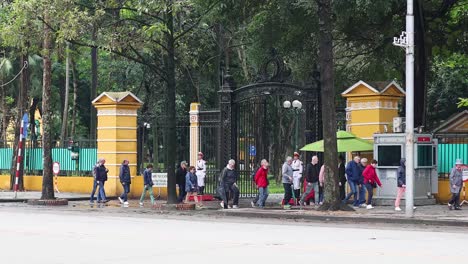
(113, 98)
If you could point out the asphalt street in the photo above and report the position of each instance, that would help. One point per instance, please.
(32, 236)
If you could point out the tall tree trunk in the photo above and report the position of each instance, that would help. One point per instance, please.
(63, 134)
(94, 80)
(47, 179)
(22, 105)
(332, 195)
(75, 97)
(170, 129)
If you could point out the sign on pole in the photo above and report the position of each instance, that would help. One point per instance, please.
(56, 170)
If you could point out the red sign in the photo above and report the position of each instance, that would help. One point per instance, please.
(424, 139)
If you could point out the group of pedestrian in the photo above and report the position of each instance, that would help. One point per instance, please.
(191, 181)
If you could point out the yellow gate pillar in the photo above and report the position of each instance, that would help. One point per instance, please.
(194, 133)
(117, 134)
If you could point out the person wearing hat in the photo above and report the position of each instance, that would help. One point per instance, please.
(456, 183)
(201, 173)
(180, 180)
(297, 175)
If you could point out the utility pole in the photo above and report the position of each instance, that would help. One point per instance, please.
(406, 41)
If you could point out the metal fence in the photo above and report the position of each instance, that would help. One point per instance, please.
(450, 148)
(33, 164)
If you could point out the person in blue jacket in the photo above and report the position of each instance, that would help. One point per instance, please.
(148, 182)
(191, 185)
(125, 180)
(353, 173)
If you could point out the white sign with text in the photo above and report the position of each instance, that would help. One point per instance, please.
(159, 179)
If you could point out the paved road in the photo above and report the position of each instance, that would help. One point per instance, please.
(30, 237)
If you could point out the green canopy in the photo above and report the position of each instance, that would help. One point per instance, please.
(346, 141)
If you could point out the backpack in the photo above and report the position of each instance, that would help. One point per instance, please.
(95, 170)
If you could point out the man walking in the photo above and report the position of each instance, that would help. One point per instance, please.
(261, 180)
(456, 184)
(180, 180)
(353, 172)
(201, 173)
(125, 180)
(287, 181)
(148, 184)
(95, 184)
(229, 182)
(312, 178)
(297, 175)
(101, 178)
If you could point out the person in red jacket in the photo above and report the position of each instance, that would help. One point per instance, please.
(371, 180)
(261, 180)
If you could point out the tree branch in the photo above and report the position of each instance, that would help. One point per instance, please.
(180, 35)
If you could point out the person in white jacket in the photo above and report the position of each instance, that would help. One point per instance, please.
(297, 167)
(201, 173)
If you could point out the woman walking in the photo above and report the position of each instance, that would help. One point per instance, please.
(148, 182)
(191, 185)
(371, 180)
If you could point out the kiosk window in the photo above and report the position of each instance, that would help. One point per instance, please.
(425, 156)
(389, 155)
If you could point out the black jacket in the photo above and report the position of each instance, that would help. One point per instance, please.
(101, 174)
(228, 176)
(180, 176)
(342, 174)
(312, 173)
(124, 174)
(401, 173)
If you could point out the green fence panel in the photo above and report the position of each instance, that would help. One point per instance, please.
(5, 158)
(448, 154)
(33, 159)
(88, 157)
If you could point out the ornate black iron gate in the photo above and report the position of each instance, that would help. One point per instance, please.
(254, 125)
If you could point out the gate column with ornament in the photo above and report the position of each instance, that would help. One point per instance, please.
(117, 134)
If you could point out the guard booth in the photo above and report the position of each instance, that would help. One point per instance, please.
(389, 148)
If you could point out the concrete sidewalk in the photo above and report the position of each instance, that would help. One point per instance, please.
(9, 196)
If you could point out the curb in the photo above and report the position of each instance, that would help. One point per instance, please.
(349, 219)
(72, 199)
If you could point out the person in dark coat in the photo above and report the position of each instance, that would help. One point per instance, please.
(125, 180)
(101, 178)
(180, 180)
(354, 175)
(228, 180)
(312, 178)
(342, 177)
(401, 183)
(456, 184)
(148, 184)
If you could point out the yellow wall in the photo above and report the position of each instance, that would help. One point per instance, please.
(80, 185)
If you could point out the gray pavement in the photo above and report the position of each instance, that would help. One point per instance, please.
(32, 235)
(9, 196)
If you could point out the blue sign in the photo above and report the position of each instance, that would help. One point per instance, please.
(253, 151)
(25, 125)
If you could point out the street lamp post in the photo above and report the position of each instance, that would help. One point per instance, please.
(145, 126)
(406, 41)
(297, 106)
